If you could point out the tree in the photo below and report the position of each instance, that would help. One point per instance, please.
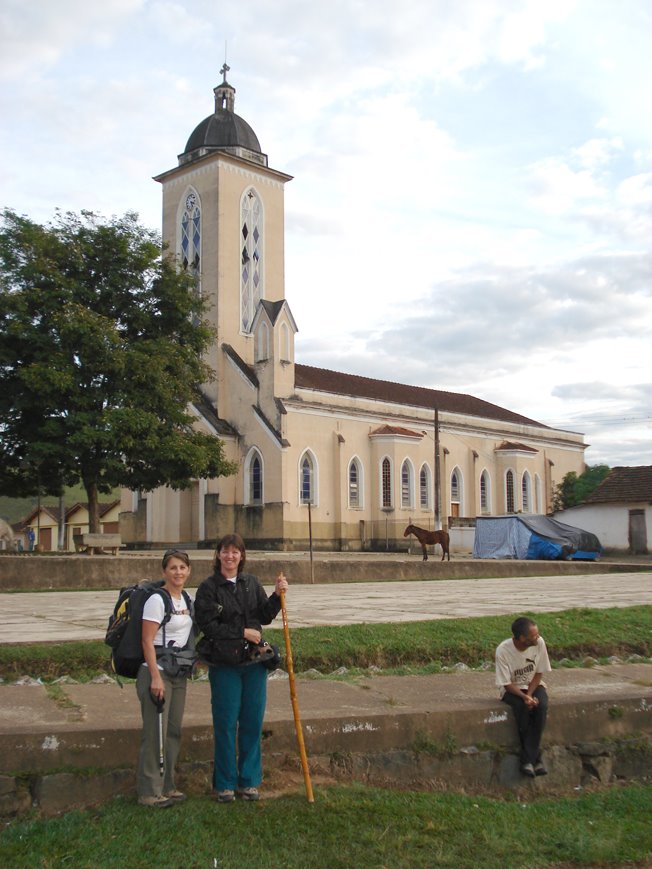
(574, 488)
(101, 343)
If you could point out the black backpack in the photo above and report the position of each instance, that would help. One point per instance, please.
(124, 631)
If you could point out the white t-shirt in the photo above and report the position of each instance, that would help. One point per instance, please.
(180, 624)
(517, 667)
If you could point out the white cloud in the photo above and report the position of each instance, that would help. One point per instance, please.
(471, 207)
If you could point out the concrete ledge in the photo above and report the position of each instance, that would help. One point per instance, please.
(51, 572)
(446, 730)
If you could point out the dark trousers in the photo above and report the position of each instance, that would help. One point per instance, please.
(530, 723)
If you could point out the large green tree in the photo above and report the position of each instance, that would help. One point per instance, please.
(101, 343)
(574, 488)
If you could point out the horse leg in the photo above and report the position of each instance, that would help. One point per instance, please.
(425, 551)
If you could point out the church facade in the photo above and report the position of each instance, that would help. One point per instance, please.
(347, 460)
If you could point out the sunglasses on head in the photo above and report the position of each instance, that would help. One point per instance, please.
(170, 552)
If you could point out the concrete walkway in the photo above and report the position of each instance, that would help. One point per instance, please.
(82, 615)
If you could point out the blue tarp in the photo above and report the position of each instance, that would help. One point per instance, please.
(532, 537)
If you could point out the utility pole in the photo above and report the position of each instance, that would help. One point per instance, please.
(437, 475)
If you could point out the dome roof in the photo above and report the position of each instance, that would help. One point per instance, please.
(223, 131)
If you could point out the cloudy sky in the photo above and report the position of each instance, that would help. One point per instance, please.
(471, 207)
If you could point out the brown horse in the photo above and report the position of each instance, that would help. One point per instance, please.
(430, 538)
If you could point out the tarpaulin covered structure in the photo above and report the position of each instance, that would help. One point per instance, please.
(532, 537)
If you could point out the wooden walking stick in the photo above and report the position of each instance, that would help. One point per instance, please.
(295, 704)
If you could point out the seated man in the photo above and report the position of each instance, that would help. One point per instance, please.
(520, 661)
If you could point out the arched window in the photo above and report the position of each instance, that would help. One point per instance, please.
(251, 253)
(407, 484)
(191, 234)
(387, 501)
(538, 493)
(262, 342)
(526, 492)
(456, 492)
(307, 479)
(424, 488)
(485, 493)
(254, 478)
(509, 492)
(355, 484)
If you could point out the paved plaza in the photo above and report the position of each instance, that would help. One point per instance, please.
(82, 615)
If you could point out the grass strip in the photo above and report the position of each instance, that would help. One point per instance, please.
(572, 634)
(347, 826)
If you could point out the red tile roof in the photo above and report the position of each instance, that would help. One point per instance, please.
(323, 380)
(396, 430)
(624, 485)
(513, 445)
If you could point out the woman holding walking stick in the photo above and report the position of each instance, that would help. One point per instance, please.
(230, 608)
(161, 681)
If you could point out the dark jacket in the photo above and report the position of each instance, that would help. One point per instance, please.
(223, 612)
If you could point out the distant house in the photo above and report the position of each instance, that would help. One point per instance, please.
(46, 524)
(77, 521)
(619, 511)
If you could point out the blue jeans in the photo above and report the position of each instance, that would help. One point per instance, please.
(238, 698)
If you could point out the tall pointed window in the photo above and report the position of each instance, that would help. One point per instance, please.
(307, 479)
(407, 485)
(456, 493)
(251, 255)
(526, 492)
(386, 484)
(191, 234)
(355, 482)
(485, 493)
(254, 478)
(509, 491)
(424, 487)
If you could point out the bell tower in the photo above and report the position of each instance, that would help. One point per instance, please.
(223, 218)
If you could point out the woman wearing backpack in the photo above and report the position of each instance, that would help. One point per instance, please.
(230, 608)
(161, 681)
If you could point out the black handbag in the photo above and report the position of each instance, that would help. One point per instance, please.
(232, 652)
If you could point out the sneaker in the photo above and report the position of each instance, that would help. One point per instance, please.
(250, 794)
(160, 802)
(528, 769)
(225, 796)
(540, 769)
(175, 796)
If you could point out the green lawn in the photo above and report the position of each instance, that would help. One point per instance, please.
(346, 827)
(406, 647)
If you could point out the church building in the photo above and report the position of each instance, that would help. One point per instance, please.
(350, 460)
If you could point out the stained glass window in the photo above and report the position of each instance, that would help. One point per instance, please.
(251, 252)
(386, 482)
(191, 235)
